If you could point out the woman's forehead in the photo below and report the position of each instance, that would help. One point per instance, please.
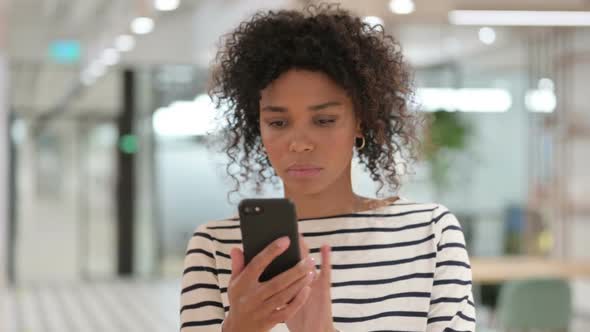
(303, 82)
(311, 89)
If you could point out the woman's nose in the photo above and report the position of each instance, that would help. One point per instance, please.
(299, 143)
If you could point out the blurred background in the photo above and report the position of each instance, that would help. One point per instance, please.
(106, 168)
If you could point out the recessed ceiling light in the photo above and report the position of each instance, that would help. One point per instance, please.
(125, 43)
(402, 7)
(487, 35)
(166, 5)
(142, 25)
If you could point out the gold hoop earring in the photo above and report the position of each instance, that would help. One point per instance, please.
(362, 144)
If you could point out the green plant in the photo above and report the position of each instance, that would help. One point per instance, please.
(447, 133)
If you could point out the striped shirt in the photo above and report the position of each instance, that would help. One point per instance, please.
(402, 267)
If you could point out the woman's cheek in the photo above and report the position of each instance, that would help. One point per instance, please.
(272, 147)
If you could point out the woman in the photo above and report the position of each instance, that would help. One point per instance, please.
(304, 89)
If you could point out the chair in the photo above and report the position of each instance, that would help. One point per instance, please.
(535, 304)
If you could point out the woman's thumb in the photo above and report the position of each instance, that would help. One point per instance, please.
(237, 262)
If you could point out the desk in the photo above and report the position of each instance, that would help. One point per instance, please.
(493, 270)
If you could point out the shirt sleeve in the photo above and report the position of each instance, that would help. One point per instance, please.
(201, 304)
(451, 305)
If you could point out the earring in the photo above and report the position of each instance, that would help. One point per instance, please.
(362, 145)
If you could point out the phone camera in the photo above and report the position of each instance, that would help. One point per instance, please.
(253, 210)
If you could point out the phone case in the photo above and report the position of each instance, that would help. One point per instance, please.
(276, 219)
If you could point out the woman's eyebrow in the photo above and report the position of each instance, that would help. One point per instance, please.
(324, 105)
(318, 107)
(278, 109)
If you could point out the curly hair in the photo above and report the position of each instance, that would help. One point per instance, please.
(362, 59)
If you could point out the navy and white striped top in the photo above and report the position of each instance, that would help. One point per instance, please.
(402, 267)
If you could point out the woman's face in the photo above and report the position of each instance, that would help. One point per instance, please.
(308, 130)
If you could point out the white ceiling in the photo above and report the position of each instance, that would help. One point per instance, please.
(188, 36)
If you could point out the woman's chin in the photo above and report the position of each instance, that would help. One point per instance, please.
(305, 187)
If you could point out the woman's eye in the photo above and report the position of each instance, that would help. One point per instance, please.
(277, 124)
(325, 122)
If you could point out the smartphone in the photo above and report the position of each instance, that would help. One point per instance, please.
(262, 221)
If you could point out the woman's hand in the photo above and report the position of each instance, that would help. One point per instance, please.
(316, 314)
(259, 306)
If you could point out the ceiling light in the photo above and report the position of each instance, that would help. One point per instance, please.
(142, 25)
(487, 35)
(125, 43)
(402, 7)
(541, 101)
(187, 118)
(166, 5)
(519, 18)
(110, 57)
(97, 69)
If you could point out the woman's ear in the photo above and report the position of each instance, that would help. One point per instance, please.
(359, 129)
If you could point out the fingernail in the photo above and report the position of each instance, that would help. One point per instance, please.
(310, 261)
(311, 275)
(282, 242)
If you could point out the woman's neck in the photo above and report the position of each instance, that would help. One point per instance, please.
(338, 198)
(320, 205)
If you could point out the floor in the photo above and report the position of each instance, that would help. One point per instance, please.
(127, 306)
(84, 307)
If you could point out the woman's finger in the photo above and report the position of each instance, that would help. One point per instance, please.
(237, 262)
(280, 316)
(282, 298)
(287, 278)
(259, 263)
(304, 249)
(326, 267)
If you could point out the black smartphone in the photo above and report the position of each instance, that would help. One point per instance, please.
(262, 221)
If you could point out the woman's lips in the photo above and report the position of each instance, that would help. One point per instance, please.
(303, 171)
